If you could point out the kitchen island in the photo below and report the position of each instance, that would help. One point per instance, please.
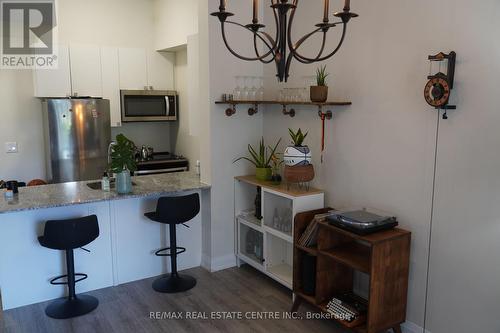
(123, 252)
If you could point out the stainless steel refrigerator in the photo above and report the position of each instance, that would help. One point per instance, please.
(77, 134)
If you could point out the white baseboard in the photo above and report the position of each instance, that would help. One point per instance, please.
(409, 327)
(223, 262)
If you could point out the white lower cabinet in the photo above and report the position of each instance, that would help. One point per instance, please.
(267, 243)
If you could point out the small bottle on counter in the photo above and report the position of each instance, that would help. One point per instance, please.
(105, 182)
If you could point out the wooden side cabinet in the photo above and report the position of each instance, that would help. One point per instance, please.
(384, 256)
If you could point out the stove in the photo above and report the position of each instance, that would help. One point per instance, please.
(161, 162)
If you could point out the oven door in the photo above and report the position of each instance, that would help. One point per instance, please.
(148, 105)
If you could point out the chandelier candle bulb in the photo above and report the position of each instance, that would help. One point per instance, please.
(327, 9)
(222, 6)
(347, 5)
(255, 11)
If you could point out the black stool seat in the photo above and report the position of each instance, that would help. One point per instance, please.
(68, 235)
(173, 211)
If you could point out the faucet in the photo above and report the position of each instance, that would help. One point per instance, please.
(111, 144)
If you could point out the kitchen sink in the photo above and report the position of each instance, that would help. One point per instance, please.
(98, 185)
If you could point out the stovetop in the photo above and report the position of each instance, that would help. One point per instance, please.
(163, 157)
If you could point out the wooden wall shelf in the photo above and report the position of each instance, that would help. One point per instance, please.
(384, 256)
(254, 106)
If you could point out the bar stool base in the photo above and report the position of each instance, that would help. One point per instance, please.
(174, 283)
(65, 308)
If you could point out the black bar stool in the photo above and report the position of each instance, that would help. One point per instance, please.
(68, 235)
(173, 211)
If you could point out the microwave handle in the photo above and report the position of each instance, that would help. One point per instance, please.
(167, 100)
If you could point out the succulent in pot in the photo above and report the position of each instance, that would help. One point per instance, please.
(298, 154)
(319, 93)
(123, 162)
(261, 158)
(298, 167)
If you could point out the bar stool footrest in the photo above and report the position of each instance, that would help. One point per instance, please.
(179, 250)
(80, 275)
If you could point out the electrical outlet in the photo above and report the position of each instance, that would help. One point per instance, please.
(11, 147)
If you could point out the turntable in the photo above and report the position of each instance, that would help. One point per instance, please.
(362, 222)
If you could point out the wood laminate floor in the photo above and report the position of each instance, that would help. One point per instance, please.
(127, 308)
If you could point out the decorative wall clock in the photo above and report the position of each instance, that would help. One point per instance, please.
(438, 89)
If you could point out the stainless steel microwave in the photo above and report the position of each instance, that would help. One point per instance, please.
(148, 105)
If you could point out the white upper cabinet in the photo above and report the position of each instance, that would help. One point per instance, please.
(110, 72)
(54, 82)
(133, 68)
(85, 63)
(160, 72)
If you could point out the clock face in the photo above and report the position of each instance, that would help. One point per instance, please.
(437, 92)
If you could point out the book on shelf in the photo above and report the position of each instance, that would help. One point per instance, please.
(309, 237)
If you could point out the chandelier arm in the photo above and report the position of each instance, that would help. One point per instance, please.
(304, 60)
(224, 38)
(300, 57)
(273, 43)
(257, 51)
(290, 24)
(293, 48)
(276, 21)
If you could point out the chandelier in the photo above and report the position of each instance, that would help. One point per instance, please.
(281, 49)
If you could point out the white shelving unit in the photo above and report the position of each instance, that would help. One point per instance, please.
(267, 244)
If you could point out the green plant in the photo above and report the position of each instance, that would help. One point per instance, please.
(276, 162)
(122, 155)
(321, 75)
(297, 137)
(262, 157)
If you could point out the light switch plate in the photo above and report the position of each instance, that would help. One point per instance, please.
(11, 147)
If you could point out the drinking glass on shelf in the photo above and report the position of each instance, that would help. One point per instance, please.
(304, 94)
(288, 94)
(297, 95)
(260, 90)
(281, 95)
(238, 91)
(246, 88)
(253, 88)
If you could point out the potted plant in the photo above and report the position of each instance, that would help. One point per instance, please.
(319, 93)
(261, 158)
(297, 154)
(276, 164)
(298, 167)
(122, 163)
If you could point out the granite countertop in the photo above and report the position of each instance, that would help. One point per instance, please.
(75, 193)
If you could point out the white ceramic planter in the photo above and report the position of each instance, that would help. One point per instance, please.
(297, 155)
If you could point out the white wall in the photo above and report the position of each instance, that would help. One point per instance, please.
(183, 143)
(380, 151)
(174, 21)
(21, 122)
(228, 136)
(119, 23)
